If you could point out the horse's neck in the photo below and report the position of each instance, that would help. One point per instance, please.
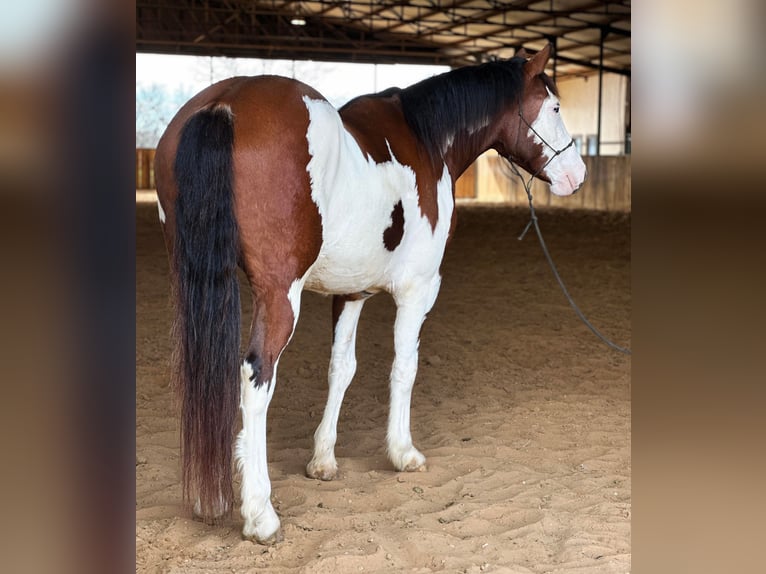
(465, 147)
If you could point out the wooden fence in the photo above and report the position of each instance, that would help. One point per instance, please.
(144, 168)
(607, 188)
(489, 180)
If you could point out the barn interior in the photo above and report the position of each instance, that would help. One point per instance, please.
(523, 414)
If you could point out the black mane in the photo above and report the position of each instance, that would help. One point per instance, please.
(441, 108)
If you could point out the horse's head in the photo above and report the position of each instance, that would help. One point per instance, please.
(533, 134)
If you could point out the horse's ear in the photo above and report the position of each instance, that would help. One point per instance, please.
(536, 64)
(521, 53)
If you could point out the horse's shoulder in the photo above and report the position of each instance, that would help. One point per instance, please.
(376, 122)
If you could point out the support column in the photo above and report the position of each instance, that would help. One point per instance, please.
(600, 88)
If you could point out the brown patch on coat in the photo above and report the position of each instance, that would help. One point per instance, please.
(392, 236)
(280, 225)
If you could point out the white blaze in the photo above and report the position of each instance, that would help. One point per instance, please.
(567, 171)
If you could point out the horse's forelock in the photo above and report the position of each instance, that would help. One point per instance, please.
(550, 84)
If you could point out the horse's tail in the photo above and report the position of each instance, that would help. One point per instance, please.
(207, 325)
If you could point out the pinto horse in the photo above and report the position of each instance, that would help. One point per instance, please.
(264, 174)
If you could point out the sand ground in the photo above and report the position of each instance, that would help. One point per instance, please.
(523, 415)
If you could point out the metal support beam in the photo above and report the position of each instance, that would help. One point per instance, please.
(592, 66)
(555, 41)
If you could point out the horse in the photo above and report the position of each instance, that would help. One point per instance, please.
(264, 174)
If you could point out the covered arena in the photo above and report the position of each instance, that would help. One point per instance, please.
(522, 413)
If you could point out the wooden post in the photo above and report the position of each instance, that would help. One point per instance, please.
(145, 168)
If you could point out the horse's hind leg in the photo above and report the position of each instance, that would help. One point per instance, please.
(275, 315)
(342, 368)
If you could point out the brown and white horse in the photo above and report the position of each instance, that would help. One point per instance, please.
(264, 174)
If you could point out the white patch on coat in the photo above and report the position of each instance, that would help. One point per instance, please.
(294, 296)
(161, 212)
(355, 197)
(261, 521)
(567, 171)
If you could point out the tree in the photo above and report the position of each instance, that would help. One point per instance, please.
(155, 107)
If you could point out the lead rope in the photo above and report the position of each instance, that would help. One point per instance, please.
(533, 222)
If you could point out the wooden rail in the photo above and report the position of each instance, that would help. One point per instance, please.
(489, 180)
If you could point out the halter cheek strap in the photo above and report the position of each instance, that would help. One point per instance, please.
(556, 152)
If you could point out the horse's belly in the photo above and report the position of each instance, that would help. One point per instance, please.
(349, 267)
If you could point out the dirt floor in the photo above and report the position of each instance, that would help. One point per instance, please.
(523, 415)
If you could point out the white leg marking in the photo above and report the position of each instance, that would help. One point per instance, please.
(410, 314)
(342, 368)
(161, 212)
(261, 522)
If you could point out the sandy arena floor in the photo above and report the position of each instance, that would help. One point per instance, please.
(523, 415)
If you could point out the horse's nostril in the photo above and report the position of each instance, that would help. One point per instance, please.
(572, 184)
(575, 187)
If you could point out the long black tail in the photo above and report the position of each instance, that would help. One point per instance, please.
(207, 326)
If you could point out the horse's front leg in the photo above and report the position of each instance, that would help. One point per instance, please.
(410, 314)
(342, 368)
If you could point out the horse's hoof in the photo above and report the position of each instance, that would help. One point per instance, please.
(322, 472)
(415, 466)
(272, 540)
(411, 460)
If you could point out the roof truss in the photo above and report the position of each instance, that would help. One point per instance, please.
(451, 32)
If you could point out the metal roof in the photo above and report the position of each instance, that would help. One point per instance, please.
(451, 32)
